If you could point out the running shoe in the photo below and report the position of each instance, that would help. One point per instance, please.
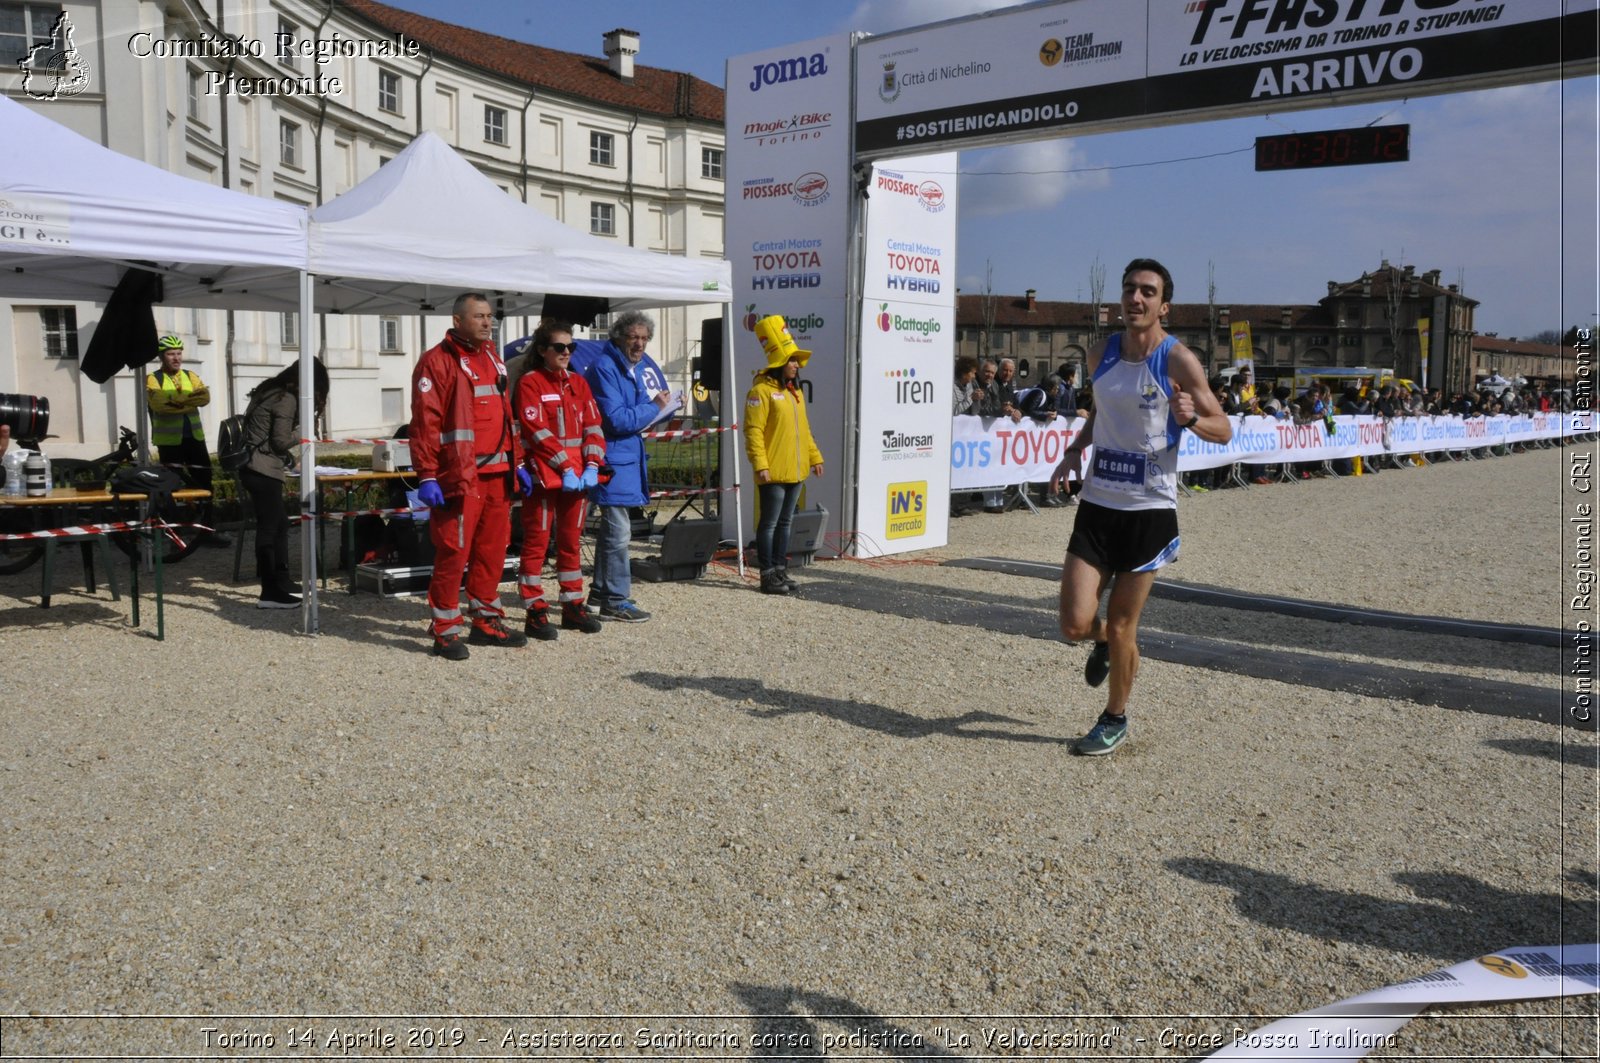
(626, 611)
(1098, 666)
(1107, 734)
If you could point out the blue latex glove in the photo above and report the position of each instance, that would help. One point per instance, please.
(524, 481)
(570, 481)
(591, 476)
(429, 493)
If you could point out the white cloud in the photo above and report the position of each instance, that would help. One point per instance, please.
(881, 16)
(1028, 177)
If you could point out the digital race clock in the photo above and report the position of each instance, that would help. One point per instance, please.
(1334, 147)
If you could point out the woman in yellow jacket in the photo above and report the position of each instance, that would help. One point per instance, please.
(778, 442)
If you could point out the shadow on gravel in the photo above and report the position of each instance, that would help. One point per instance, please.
(1576, 754)
(1468, 918)
(791, 1022)
(1264, 650)
(63, 613)
(862, 714)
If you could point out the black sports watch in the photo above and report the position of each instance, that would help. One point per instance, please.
(1191, 422)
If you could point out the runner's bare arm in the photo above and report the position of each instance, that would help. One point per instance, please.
(1192, 398)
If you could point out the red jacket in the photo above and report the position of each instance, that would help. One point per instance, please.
(560, 425)
(448, 403)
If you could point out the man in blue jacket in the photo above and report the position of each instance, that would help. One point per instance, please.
(630, 401)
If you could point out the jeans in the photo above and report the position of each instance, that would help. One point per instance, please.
(777, 517)
(613, 580)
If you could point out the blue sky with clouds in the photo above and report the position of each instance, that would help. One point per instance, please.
(1500, 193)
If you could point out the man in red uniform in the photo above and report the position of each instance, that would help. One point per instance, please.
(464, 448)
(565, 447)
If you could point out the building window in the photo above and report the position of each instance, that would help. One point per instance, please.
(59, 325)
(288, 142)
(389, 335)
(195, 94)
(494, 124)
(289, 331)
(393, 405)
(389, 91)
(284, 43)
(602, 219)
(711, 163)
(602, 148)
(22, 26)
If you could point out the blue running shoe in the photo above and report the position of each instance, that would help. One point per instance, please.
(1107, 734)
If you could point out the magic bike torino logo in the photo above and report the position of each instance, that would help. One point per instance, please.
(54, 69)
(928, 194)
(790, 130)
(898, 445)
(908, 389)
(907, 509)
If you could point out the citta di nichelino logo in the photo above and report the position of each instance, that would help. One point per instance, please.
(54, 69)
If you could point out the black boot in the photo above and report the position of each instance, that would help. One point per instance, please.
(272, 595)
(575, 617)
(783, 574)
(772, 582)
(539, 626)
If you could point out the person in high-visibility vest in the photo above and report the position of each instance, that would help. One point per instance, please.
(175, 395)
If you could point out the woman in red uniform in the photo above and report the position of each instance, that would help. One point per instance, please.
(564, 447)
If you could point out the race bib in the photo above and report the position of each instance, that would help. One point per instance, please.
(1118, 467)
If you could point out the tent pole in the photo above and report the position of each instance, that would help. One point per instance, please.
(309, 623)
(728, 389)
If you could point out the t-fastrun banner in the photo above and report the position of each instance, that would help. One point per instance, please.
(1082, 66)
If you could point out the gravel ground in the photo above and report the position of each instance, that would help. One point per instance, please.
(777, 821)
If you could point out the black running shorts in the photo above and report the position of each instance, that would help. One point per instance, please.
(1134, 540)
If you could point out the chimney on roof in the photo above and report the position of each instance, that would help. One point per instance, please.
(1431, 277)
(621, 46)
(1033, 304)
(1333, 286)
(1286, 316)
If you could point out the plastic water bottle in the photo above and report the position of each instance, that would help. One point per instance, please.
(36, 473)
(15, 458)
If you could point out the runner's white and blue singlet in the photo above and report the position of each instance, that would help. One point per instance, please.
(1135, 447)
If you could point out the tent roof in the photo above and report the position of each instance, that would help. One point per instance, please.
(76, 214)
(429, 225)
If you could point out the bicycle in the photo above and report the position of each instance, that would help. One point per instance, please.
(18, 555)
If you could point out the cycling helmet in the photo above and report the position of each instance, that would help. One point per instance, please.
(169, 342)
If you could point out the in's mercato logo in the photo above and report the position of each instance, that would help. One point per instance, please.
(797, 69)
(907, 508)
(898, 445)
(908, 390)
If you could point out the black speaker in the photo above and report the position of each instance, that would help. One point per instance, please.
(711, 353)
(578, 309)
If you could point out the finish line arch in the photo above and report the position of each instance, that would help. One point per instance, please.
(837, 217)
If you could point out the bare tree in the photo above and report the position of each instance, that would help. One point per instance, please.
(989, 305)
(1097, 292)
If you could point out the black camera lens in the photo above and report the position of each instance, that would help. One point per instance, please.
(27, 415)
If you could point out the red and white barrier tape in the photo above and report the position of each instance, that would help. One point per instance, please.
(101, 529)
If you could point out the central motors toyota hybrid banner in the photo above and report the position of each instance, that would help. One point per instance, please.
(908, 319)
(1084, 65)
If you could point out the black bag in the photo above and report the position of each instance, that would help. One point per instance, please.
(233, 453)
(156, 482)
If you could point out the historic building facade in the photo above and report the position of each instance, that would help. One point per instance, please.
(300, 101)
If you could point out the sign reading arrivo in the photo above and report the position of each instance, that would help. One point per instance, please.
(1092, 65)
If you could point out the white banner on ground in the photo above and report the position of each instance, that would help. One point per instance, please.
(994, 452)
(908, 328)
(1352, 1028)
(787, 233)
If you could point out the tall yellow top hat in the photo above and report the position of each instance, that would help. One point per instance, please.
(777, 343)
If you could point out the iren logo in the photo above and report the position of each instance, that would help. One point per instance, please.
(814, 65)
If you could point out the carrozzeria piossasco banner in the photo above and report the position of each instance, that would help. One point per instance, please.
(991, 452)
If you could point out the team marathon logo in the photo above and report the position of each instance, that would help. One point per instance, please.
(54, 69)
(1077, 48)
(808, 190)
(791, 130)
(781, 265)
